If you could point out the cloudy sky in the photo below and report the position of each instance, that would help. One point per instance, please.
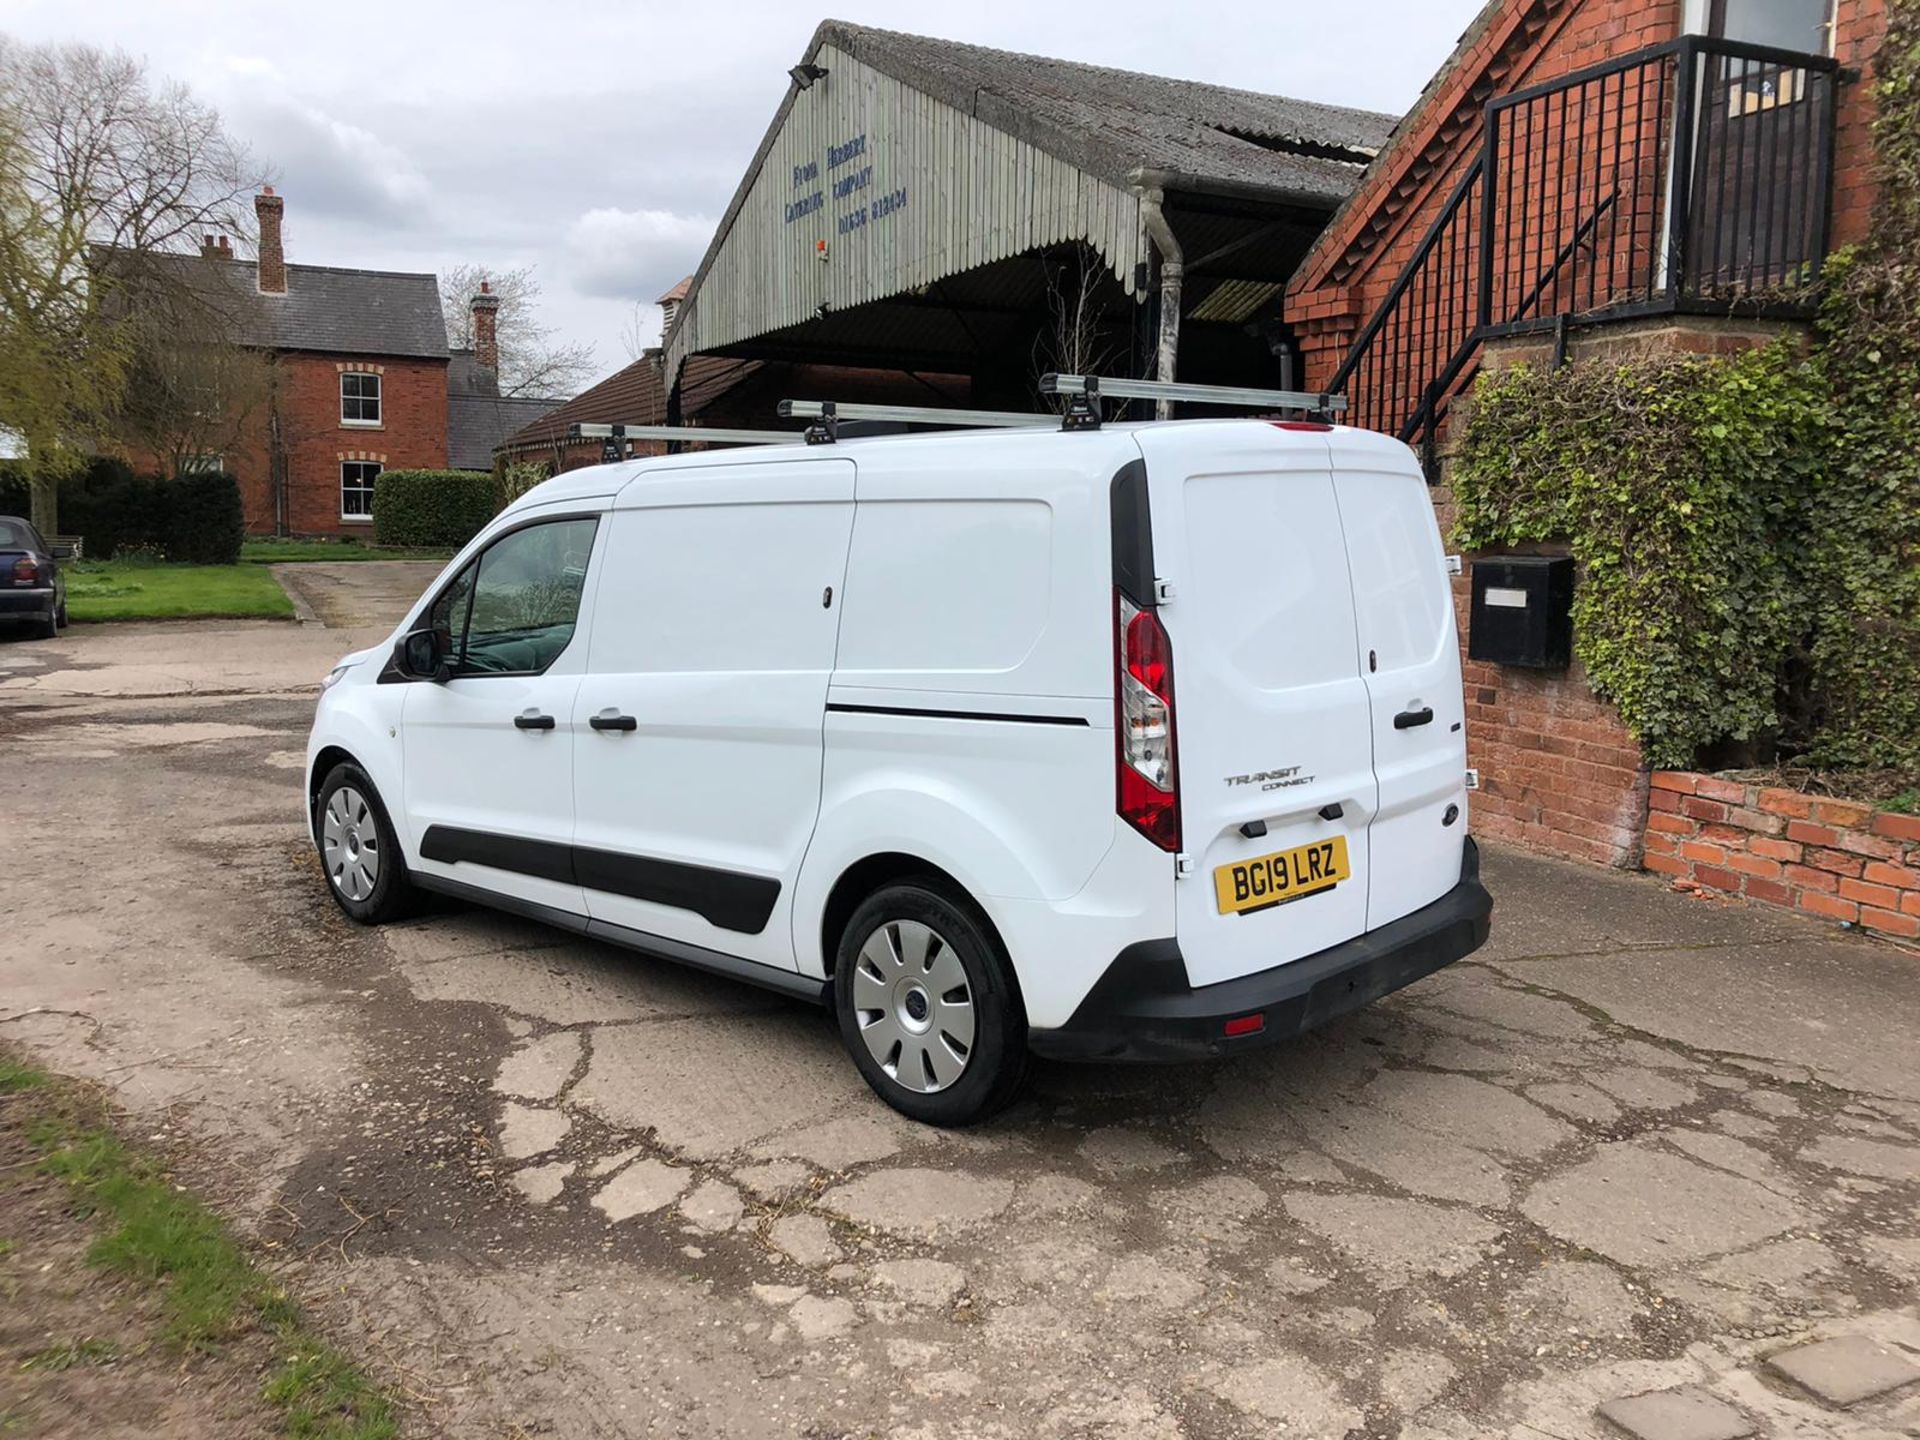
(600, 139)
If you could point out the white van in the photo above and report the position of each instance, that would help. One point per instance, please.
(1139, 743)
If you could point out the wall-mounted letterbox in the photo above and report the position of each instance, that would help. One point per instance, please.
(1522, 611)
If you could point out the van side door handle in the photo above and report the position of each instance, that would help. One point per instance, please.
(533, 720)
(613, 722)
(1407, 719)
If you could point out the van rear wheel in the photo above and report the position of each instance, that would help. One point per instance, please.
(927, 1006)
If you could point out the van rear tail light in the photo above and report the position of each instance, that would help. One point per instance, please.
(25, 572)
(1145, 753)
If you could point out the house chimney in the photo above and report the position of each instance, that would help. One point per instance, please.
(486, 344)
(273, 260)
(208, 250)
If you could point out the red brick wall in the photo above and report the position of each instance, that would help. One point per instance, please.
(1525, 43)
(412, 434)
(1830, 858)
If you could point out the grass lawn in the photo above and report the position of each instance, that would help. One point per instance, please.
(266, 550)
(207, 1317)
(130, 590)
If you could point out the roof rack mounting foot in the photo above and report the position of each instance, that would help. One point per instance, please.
(1083, 410)
(826, 429)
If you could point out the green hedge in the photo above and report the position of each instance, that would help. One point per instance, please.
(195, 519)
(432, 507)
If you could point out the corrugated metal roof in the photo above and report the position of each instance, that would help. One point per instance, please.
(340, 312)
(1112, 122)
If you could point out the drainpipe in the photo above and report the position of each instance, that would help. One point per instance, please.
(1173, 269)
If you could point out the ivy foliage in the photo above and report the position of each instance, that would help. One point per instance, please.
(1674, 479)
(1864, 512)
(1747, 528)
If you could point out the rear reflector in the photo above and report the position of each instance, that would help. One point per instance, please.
(1299, 425)
(1247, 1025)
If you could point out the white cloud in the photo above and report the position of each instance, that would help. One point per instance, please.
(633, 254)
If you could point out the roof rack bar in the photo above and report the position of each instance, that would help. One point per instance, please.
(1119, 389)
(690, 433)
(911, 414)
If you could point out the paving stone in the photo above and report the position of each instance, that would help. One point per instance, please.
(1583, 1102)
(713, 1206)
(526, 1131)
(539, 1069)
(821, 1318)
(836, 1144)
(663, 1076)
(1412, 1158)
(1772, 1102)
(778, 1294)
(640, 1189)
(1688, 1413)
(1163, 1282)
(1642, 1089)
(1290, 1391)
(805, 1240)
(1470, 1111)
(1846, 1370)
(921, 1282)
(607, 1164)
(1122, 1152)
(1865, 1157)
(1399, 1240)
(1411, 1380)
(542, 1184)
(1642, 1206)
(920, 1202)
(1291, 1278)
(1580, 1295)
(1726, 1153)
(776, 1180)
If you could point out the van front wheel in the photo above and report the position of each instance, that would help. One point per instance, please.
(927, 1006)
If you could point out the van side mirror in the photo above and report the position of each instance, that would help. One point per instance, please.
(421, 658)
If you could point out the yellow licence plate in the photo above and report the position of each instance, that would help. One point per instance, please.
(1248, 885)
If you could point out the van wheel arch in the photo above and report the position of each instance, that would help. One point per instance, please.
(323, 764)
(864, 877)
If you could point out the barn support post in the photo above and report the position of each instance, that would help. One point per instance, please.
(1173, 269)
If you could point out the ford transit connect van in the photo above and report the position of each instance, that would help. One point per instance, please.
(1144, 742)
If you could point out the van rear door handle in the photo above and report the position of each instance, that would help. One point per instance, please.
(533, 721)
(613, 722)
(1407, 719)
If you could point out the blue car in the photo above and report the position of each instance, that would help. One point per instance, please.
(32, 590)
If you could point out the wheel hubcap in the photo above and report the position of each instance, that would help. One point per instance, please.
(914, 1005)
(350, 843)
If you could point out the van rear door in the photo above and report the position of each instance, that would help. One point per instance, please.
(1272, 718)
(1409, 651)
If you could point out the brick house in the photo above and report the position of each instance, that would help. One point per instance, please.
(1586, 177)
(359, 380)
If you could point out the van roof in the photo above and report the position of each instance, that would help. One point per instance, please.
(605, 481)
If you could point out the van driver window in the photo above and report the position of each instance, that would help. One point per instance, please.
(526, 598)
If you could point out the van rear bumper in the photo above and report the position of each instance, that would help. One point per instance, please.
(1143, 1009)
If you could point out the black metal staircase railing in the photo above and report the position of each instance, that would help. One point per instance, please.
(1692, 176)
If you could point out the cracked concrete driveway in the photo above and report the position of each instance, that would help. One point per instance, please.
(1639, 1144)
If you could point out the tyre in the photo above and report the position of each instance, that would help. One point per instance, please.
(927, 1005)
(45, 628)
(60, 616)
(358, 852)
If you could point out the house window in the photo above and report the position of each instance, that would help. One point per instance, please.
(356, 488)
(359, 399)
(204, 465)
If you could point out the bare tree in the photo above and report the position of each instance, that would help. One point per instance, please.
(532, 362)
(96, 160)
(1078, 338)
(191, 386)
